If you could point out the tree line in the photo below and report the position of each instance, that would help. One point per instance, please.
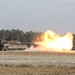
(19, 35)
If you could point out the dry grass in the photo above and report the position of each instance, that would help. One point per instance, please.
(51, 70)
(37, 57)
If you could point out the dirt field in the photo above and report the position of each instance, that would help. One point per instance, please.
(38, 58)
(37, 63)
(51, 70)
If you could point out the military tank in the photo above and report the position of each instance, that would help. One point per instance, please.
(12, 45)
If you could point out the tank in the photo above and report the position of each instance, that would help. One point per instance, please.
(12, 45)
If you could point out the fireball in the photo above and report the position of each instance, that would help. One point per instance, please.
(52, 41)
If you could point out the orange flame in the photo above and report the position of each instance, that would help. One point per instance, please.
(52, 41)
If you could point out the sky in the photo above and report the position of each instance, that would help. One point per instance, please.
(38, 15)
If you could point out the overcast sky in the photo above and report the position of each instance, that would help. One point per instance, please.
(38, 15)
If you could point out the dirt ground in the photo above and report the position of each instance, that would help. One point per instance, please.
(30, 70)
(51, 61)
